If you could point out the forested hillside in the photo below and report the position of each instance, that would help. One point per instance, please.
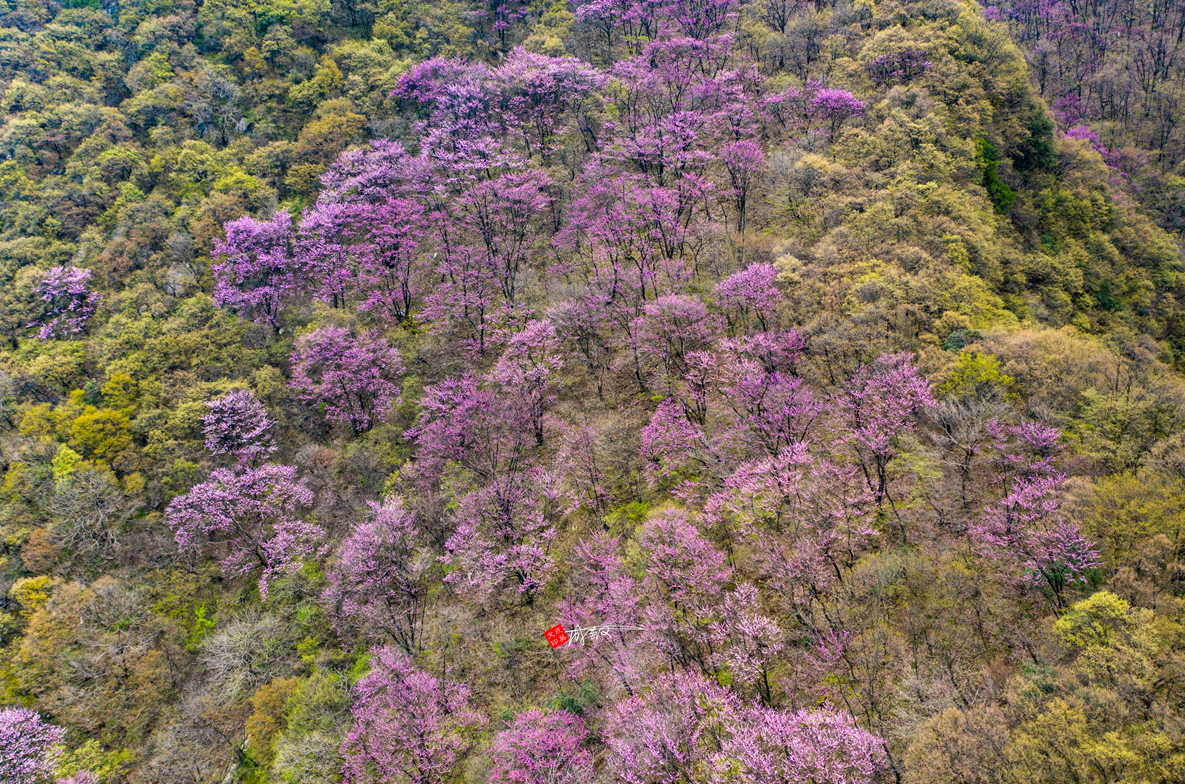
(1111, 71)
(823, 356)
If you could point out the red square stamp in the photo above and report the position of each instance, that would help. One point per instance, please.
(556, 636)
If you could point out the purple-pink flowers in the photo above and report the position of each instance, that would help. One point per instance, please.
(903, 65)
(352, 379)
(1025, 529)
(881, 402)
(409, 726)
(255, 267)
(541, 747)
(249, 520)
(750, 296)
(688, 728)
(69, 303)
(379, 586)
(503, 537)
(835, 105)
(239, 425)
(29, 746)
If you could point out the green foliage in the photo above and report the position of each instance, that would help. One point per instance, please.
(625, 518)
(65, 460)
(975, 375)
(1096, 621)
(585, 698)
(109, 765)
(268, 718)
(120, 391)
(1001, 196)
(1129, 514)
(31, 593)
(199, 628)
(1107, 299)
(103, 434)
(959, 339)
(1036, 153)
(315, 716)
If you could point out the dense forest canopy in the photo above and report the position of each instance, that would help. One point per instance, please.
(823, 355)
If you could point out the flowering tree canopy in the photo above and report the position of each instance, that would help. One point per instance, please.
(688, 728)
(881, 403)
(784, 748)
(29, 746)
(409, 727)
(68, 303)
(379, 586)
(255, 268)
(1025, 527)
(250, 519)
(541, 747)
(240, 426)
(503, 536)
(352, 379)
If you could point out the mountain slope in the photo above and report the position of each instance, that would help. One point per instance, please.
(351, 347)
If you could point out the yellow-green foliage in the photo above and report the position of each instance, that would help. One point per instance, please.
(975, 374)
(1127, 513)
(120, 391)
(65, 460)
(31, 593)
(1097, 621)
(107, 764)
(267, 718)
(104, 434)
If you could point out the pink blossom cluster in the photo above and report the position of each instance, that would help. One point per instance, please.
(29, 746)
(408, 725)
(380, 582)
(68, 302)
(451, 235)
(542, 747)
(903, 65)
(352, 378)
(1025, 528)
(688, 728)
(490, 427)
(239, 425)
(248, 518)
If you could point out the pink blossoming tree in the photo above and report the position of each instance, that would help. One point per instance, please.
(68, 303)
(685, 579)
(671, 733)
(503, 537)
(353, 379)
(379, 586)
(409, 727)
(749, 296)
(542, 747)
(527, 371)
(255, 267)
(747, 642)
(881, 403)
(688, 728)
(29, 746)
(603, 592)
(1025, 527)
(239, 425)
(786, 748)
(248, 519)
